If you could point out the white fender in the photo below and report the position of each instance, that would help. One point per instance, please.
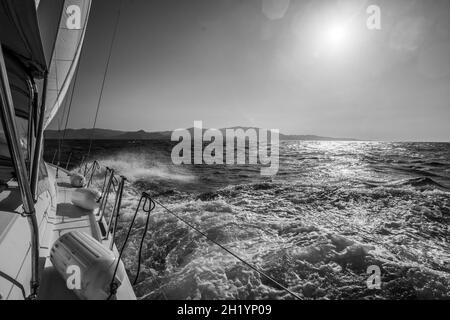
(77, 180)
(86, 265)
(87, 199)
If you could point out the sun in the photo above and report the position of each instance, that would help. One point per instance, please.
(326, 36)
(336, 36)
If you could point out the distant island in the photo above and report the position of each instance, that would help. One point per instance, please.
(108, 134)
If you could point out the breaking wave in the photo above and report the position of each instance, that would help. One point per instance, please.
(141, 166)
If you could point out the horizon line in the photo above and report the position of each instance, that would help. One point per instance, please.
(253, 127)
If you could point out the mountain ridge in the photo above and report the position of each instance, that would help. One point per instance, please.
(109, 134)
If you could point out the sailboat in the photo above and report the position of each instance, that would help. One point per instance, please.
(50, 248)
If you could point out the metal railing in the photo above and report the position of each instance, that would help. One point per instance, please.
(107, 183)
(15, 283)
(54, 156)
(91, 170)
(68, 161)
(115, 213)
(39, 142)
(147, 204)
(82, 163)
(12, 137)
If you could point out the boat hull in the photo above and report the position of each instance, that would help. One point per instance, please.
(56, 216)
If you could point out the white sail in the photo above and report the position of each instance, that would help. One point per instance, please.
(66, 54)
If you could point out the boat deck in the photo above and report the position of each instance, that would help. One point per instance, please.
(68, 218)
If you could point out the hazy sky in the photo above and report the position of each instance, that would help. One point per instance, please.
(304, 67)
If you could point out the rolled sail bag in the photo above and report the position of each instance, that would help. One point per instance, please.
(87, 199)
(77, 180)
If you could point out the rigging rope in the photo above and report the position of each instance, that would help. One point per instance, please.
(60, 141)
(59, 120)
(70, 100)
(148, 210)
(229, 251)
(104, 77)
(151, 207)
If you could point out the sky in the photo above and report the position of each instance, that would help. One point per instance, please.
(303, 67)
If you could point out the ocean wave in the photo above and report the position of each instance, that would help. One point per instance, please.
(317, 241)
(421, 183)
(315, 229)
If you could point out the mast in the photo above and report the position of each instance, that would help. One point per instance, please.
(39, 142)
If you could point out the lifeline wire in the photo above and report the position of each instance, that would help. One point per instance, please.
(229, 251)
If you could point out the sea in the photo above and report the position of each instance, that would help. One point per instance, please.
(340, 220)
